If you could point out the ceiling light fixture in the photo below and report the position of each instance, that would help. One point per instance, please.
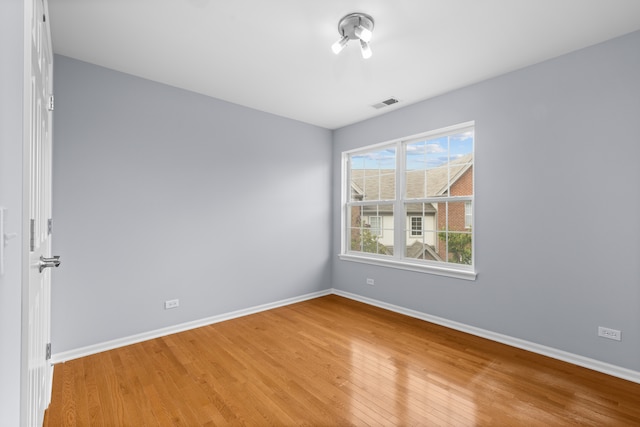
(365, 49)
(362, 33)
(355, 26)
(339, 45)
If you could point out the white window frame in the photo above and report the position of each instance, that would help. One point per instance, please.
(398, 259)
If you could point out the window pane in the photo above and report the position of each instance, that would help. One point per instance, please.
(428, 153)
(456, 217)
(355, 228)
(379, 184)
(421, 233)
(363, 235)
(440, 166)
(356, 238)
(458, 247)
(356, 193)
(375, 222)
(461, 164)
(416, 184)
(373, 175)
(454, 237)
(422, 250)
(422, 160)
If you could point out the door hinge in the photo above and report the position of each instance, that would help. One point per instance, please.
(48, 356)
(49, 225)
(50, 103)
(32, 235)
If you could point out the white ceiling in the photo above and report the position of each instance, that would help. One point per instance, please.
(275, 55)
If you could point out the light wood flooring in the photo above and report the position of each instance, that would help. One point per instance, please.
(333, 362)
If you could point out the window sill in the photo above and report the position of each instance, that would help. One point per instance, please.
(411, 266)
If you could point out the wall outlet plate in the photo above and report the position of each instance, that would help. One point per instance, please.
(612, 334)
(173, 303)
(371, 282)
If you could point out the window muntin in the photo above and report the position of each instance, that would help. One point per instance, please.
(423, 187)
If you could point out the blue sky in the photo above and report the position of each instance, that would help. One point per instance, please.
(423, 154)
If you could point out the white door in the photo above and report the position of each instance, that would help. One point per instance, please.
(38, 198)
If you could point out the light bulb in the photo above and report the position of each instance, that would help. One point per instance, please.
(365, 49)
(363, 34)
(339, 45)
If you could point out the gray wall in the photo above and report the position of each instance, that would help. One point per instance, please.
(557, 204)
(161, 193)
(11, 105)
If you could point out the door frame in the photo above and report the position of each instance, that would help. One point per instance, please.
(26, 262)
(11, 175)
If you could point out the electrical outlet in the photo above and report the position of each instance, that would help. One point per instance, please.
(612, 334)
(172, 303)
(371, 282)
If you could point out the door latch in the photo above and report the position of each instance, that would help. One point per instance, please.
(49, 262)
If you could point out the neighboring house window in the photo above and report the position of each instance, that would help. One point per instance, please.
(375, 222)
(416, 226)
(424, 186)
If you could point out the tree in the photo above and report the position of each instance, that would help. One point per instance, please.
(458, 246)
(367, 242)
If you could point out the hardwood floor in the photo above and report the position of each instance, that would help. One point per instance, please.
(333, 362)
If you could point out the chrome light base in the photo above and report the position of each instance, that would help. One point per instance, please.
(348, 24)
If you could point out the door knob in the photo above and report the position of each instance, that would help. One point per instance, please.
(49, 262)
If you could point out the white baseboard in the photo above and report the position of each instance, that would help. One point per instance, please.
(133, 339)
(575, 359)
(554, 353)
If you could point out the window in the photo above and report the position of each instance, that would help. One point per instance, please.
(375, 223)
(416, 226)
(423, 188)
(371, 194)
(468, 215)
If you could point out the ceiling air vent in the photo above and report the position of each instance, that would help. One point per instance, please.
(385, 103)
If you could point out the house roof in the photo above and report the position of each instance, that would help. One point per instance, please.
(379, 184)
(422, 251)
